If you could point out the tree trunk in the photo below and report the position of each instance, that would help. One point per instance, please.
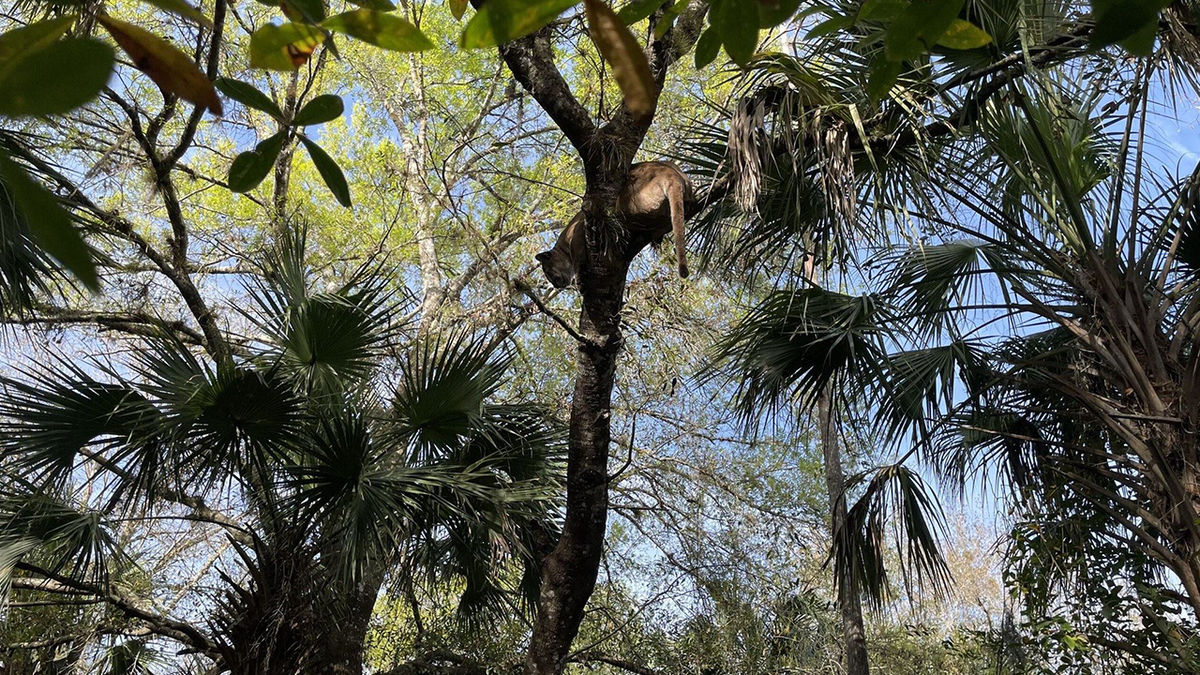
(569, 571)
(852, 618)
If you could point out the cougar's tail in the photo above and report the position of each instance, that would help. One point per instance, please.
(675, 200)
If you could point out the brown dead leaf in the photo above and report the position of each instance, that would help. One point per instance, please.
(172, 70)
(621, 50)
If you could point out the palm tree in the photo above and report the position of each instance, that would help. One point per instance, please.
(1036, 321)
(326, 479)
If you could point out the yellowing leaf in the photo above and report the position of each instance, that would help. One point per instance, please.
(964, 35)
(380, 29)
(172, 70)
(621, 50)
(285, 47)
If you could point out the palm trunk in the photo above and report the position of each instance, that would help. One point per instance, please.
(835, 481)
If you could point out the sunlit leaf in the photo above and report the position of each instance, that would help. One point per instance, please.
(285, 47)
(246, 94)
(251, 167)
(500, 21)
(919, 27)
(330, 172)
(321, 109)
(380, 29)
(458, 8)
(20, 42)
(55, 79)
(621, 50)
(636, 10)
(964, 35)
(172, 70)
(49, 223)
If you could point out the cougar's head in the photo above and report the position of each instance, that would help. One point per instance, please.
(558, 267)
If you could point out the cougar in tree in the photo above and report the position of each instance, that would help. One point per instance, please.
(651, 201)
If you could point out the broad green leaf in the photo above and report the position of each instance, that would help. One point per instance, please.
(621, 50)
(49, 223)
(668, 18)
(1121, 20)
(246, 94)
(964, 35)
(919, 27)
(251, 167)
(707, 47)
(458, 8)
(882, 77)
(285, 47)
(320, 110)
(771, 15)
(830, 25)
(172, 70)
(881, 10)
(500, 21)
(181, 8)
(304, 11)
(636, 10)
(380, 29)
(381, 5)
(738, 22)
(20, 42)
(55, 79)
(330, 172)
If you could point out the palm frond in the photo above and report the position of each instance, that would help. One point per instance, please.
(793, 343)
(897, 496)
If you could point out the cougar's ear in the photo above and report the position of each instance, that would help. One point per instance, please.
(543, 256)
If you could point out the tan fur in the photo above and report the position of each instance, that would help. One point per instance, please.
(651, 201)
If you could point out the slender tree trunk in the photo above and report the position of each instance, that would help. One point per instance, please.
(835, 481)
(569, 571)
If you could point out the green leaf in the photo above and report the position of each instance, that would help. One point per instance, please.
(707, 47)
(305, 11)
(285, 47)
(919, 27)
(1118, 21)
(20, 42)
(329, 170)
(49, 223)
(55, 79)
(251, 167)
(881, 10)
(246, 94)
(458, 8)
(831, 25)
(737, 20)
(181, 8)
(770, 15)
(501, 21)
(964, 35)
(320, 110)
(882, 77)
(636, 10)
(668, 18)
(380, 29)
(381, 5)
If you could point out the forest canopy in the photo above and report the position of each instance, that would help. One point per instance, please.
(357, 336)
